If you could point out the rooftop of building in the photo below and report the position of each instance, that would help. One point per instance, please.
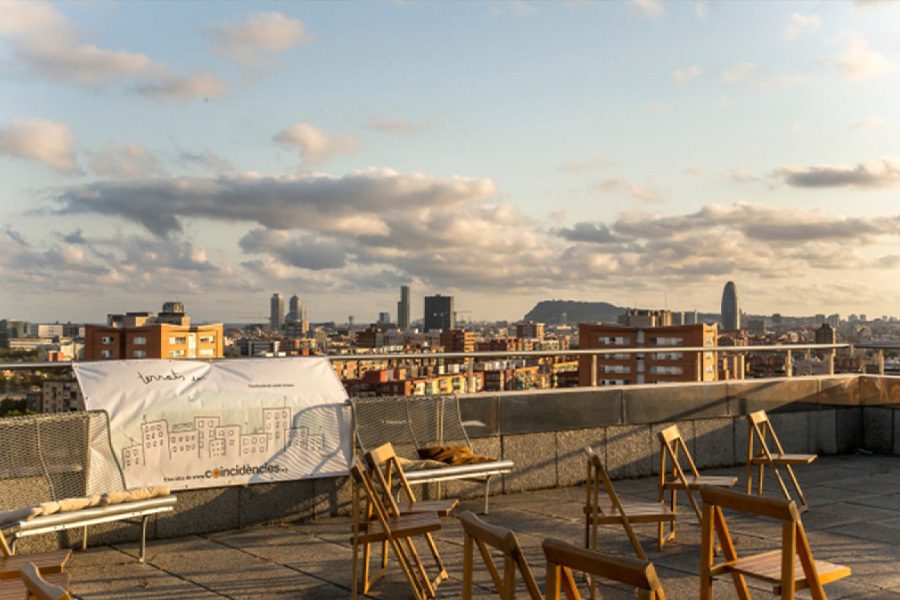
(854, 520)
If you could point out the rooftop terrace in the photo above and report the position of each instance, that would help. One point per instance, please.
(854, 520)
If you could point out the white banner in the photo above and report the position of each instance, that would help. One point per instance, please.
(192, 424)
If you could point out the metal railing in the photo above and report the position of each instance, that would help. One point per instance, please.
(470, 358)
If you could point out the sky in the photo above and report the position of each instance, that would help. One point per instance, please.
(638, 152)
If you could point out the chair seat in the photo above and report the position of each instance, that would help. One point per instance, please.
(785, 459)
(638, 512)
(441, 508)
(46, 562)
(767, 567)
(403, 526)
(14, 589)
(695, 483)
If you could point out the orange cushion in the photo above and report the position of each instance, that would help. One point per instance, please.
(453, 455)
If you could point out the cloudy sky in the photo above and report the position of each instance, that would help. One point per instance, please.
(638, 152)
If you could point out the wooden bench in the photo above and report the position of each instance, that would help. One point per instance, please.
(33, 584)
(760, 430)
(422, 422)
(787, 569)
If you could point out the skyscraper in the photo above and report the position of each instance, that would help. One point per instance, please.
(295, 310)
(276, 312)
(731, 313)
(439, 313)
(403, 308)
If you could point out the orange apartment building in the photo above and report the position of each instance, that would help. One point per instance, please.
(665, 364)
(103, 342)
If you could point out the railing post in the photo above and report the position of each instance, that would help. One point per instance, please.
(789, 364)
(699, 368)
(593, 370)
(831, 362)
(470, 375)
(881, 362)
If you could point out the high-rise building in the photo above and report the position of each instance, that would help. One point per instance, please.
(663, 362)
(731, 313)
(439, 313)
(276, 312)
(295, 310)
(530, 330)
(641, 317)
(384, 318)
(403, 308)
(826, 334)
(458, 340)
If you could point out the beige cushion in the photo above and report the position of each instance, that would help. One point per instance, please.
(417, 465)
(144, 493)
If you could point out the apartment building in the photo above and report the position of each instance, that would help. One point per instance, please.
(158, 340)
(665, 364)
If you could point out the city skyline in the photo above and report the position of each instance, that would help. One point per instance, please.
(641, 153)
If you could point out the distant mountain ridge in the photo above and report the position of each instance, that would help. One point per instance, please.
(552, 311)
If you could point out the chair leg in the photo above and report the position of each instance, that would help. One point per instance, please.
(762, 476)
(367, 556)
(803, 504)
(355, 571)
(442, 572)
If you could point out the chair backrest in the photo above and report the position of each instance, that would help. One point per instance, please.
(486, 536)
(597, 479)
(760, 429)
(672, 444)
(563, 558)
(383, 463)
(418, 420)
(38, 588)
(793, 536)
(374, 501)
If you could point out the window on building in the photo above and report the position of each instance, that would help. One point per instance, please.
(176, 340)
(176, 354)
(668, 356)
(140, 354)
(106, 354)
(666, 370)
(106, 339)
(668, 341)
(206, 352)
(207, 339)
(139, 340)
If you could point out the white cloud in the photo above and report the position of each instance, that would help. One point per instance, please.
(261, 34)
(314, 145)
(739, 72)
(44, 42)
(879, 173)
(801, 23)
(654, 9)
(858, 61)
(131, 161)
(870, 123)
(644, 195)
(45, 141)
(687, 74)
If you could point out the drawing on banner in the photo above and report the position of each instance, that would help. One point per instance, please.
(209, 440)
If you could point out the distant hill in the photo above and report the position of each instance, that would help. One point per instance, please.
(551, 311)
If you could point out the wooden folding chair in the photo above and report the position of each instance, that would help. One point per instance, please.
(672, 444)
(625, 513)
(375, 521)
(563, 558)
(383, 460)
(35, 586)
(53, 561)
(760, 428)
(486, 536)
(788, 569)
